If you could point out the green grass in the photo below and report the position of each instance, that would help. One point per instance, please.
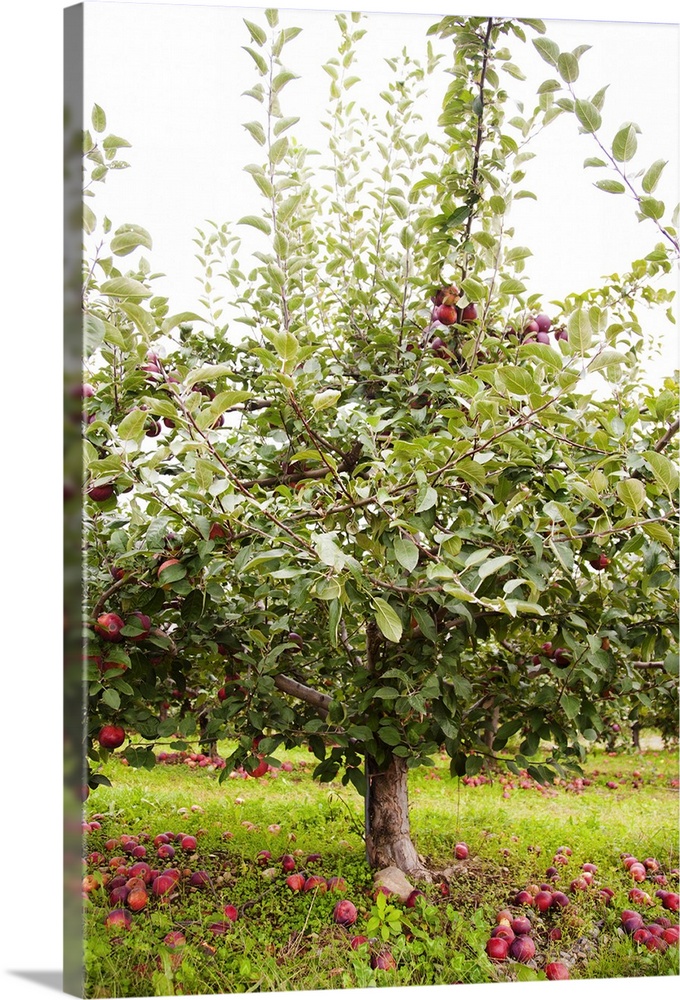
(285, 940)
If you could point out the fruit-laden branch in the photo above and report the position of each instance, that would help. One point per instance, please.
(480, 135)
(320, 702)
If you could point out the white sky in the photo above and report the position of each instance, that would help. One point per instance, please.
(30, 408)
(171, 79)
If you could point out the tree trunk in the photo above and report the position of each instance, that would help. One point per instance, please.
(388, 837)
(636, 735)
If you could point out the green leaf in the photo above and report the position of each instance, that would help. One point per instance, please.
(665, 471)
(111, 698)
(258, 34)
(387, 620)
(594, 161)
(515, 380)
(256, 222)
(129, 238)
(588, 115)
(580, 330)
(606, 358)
(625, 143)
(256, 131)
(610, 186)
(567, 67)
(389, 735)
(407, 553)
(284, 123)
(631, 492)
(651, 208)
(257, 58)
(286, 345)
(94, 332)
(651, 177)
(471, 471)
(571, 705)
(170, 575)
(492, 566)
(142, 319)
(131, 427)
(322, 400)
(658, 533)
(426, 498)
(208, 373)
(113, 142)
(98, 118)
(518, 253)
(278, 149)
(547, 49)
(474, 289)
(125, 288)
(512, 286)
(179, 319)
(89, 220)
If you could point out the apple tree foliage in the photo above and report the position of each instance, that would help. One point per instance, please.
(373, 521)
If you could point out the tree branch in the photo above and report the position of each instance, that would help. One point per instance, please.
(314, 698)
(663, 441)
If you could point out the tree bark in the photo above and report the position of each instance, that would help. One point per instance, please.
(388, 833)
(636, 735)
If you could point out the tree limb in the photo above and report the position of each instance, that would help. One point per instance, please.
(314, 698)
(663, 441)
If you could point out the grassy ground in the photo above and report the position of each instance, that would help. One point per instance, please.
(288, 940)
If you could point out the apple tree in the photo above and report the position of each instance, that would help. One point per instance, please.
(370, 494)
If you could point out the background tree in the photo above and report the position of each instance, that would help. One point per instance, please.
(390, 517)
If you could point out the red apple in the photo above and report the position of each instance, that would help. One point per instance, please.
(108, 627)
(174, 939)
(100, 494)
(560, 899)
(497, 948)
(111, 737)
(230, 912)
(461, 851)
(357, 941)
(119, 918)
(543, 322)
(383, 960)
(446, 314)
(556, 970)
(144, 623)
(317, 882)
(503, 931)
(543, 900)
(521, 925)
(188, 843)
(522, 949)
(469, 313)
(412, 897)
(137, 899)
(163, 884)
(296, 882)
(600, 561)
(288, 863)
(345, 912)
